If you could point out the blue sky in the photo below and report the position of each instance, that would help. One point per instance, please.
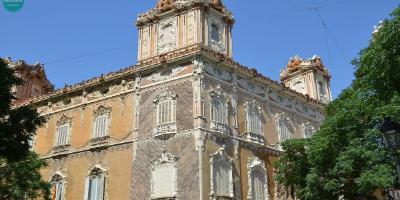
(266, 34)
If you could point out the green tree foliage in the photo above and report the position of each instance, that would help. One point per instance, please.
(346, 157)
(19, 168)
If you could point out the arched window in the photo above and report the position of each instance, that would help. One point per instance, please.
(308, 130)
(284, 128)
(165, 104)
(95, 184)
(63, 131)
(101, 124)
(57, 183)
(254, 122)
(219, 110)
(164, 176)
(221, 175)
(257, 177)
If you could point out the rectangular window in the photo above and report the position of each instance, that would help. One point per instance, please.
(166, 112)
(222, 180)
(62, 135)
(219, 111)
(95, 187)
(164, 181)
(57, 190)
(284, 130)
(254, 124)
(258, 185)
(100, 127)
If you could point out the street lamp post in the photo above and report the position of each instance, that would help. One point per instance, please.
(391, 136)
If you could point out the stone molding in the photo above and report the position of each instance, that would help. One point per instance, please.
(165, 159)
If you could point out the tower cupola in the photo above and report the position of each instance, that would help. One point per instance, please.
(178, 24)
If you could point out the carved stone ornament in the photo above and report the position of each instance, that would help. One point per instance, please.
(308, 130)
(97, 169)
(216, 36)
(102, 110)
(298, 85)
(164, 178)
(64, 120)
(221, 159)
(167, 35)
(257, 165)
(165, 74)
(218, 72)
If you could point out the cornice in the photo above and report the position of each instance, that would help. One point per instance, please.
(159, 12)
(156, 61)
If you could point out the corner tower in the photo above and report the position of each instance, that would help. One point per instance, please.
(309, 77)
(175, 24)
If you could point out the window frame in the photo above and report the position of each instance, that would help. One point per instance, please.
(221, 124)
(165, 128)
(257, 165)
(282, 118)
(221, 158)
(254, 110)
(58, 179)
(99, 173)
(101, 112)
(63, 122)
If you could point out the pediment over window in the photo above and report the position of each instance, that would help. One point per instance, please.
(57, 176)
(218, 92)
(64, 120)
(97, 169)
(102, 110)
(220, 155)
(253, 106)
(165, 95)
(165, 158)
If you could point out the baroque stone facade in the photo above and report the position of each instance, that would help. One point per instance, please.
(186, 122)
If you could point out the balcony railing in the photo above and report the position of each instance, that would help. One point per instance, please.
(165, 131)
(220, 127)
(255, 137)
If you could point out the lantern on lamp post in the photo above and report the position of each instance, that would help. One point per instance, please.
(391, 135)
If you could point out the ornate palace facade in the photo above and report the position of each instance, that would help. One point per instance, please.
(186, 122)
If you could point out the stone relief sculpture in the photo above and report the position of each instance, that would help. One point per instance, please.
(165, 74)
(166, 40)
(164, 177)
(216, 36)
